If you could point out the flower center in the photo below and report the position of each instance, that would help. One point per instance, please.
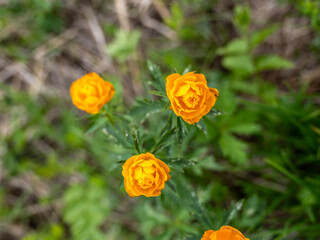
(89, 90)
(144, 174)
(191, 99)
(146, 180)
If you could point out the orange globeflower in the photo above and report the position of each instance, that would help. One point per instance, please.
(190, 96)
(225, 233)
(144, 174)
(91, 92)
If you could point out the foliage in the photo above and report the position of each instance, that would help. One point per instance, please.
(86, 207)
(40, 20)
(252, 162)
(311, 9)
(121, 48)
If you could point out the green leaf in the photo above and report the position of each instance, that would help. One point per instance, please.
(184, 162)
(182, 130)
(307, 197)
(233, 148)
(143, 109)
(187, 69)
(190, 199)
(158, 82)
(179, 131)
(244, 87)
(86, 208)
(176, 17)
(242, 64)
(121, 161)
(236, 208)
(202, 127)
(242, 17)
(163, 140)
(315, 129)
(245, 128)
(116, 135)
(120, 48)
(160, 94)
(135, 140)
(259, 36)
(312, 115)
(168, 104)
(272, 62)
(97, 124)
(214, 112)
(237, 46)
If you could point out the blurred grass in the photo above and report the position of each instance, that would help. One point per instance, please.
(253, 163)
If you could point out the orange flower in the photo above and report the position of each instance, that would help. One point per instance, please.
(144, 174)
(91, 92)
(190, 96)
(225, 233)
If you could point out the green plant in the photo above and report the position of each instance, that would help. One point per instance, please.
(86, 207)
(252, 162)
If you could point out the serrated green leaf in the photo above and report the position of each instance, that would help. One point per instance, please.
(202, 127)
(161, 146)
(166, 106)
(214, 112)
(120, 48)
(135, 140)
(99, 123)
(179, 131)
(157, 93)
(158, 82)
(190, 199)
(184, 162)
(236, 208)
(154, 70)
(116, 135)
(85, 209)
(233, 148)
(162, 141)
(143, 109)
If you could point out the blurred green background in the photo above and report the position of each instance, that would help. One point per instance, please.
(253, 163)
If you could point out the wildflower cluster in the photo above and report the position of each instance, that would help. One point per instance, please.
(144, 174)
